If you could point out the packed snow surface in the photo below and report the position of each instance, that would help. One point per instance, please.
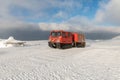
(100, 60)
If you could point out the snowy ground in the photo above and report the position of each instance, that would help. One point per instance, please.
(100, 60)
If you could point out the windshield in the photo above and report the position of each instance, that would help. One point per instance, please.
(55, 34)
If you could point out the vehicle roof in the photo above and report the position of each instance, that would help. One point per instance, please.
(58, 31)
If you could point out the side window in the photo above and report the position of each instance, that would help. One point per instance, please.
(69, 34)
(63, 34)
(59, 34)
(53, 34)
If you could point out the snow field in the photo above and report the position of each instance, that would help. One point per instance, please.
(36, 61)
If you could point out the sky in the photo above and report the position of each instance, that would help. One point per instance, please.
(33, 19)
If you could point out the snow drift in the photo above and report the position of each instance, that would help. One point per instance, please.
(11, 42)
(117, 38)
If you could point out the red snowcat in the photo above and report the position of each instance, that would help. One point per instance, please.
(64, 39)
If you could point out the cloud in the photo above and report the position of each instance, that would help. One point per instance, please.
(36, 9)
(53, 26)
(22, 31)
(109, 13)
(79, 23)
(20, 18)
(35, 31)
(61, 15)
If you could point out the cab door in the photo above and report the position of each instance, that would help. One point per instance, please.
(66, 37)
(69, 37)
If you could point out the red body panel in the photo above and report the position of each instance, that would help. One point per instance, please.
(78, 37)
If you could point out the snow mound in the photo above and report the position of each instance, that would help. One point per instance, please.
(11, 42)
(116, 38)
(11, 38)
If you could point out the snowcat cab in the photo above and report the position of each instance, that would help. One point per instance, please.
(60, 39)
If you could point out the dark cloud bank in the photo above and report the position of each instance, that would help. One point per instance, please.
(28, 34)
